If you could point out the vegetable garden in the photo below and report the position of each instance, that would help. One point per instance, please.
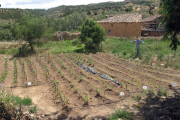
(73, 86)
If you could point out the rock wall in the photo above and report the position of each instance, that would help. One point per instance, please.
(64, 35)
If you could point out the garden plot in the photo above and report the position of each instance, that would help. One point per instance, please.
(72, 86)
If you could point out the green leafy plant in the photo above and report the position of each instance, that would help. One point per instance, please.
(3, 76)
(59, 71)
(72, 85)
(80, 78)
(98, 90)
(6, 62)
(33, 109)
(66, 101)
(124, 114)
(122, 84)
(162, 92)
(26, 101)
(156, 86)
(137, 98)
(111, 87)
(47, 75)
(15, 70)
(91, 86)
(86, 98)
(76, 89)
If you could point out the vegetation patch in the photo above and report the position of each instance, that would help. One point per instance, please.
(124, 114)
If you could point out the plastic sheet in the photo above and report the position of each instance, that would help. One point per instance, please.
(90, 70)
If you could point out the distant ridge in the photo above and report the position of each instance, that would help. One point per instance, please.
(139, 0)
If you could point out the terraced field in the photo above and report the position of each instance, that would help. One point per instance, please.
(56, 82)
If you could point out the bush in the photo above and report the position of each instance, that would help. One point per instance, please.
(124, 114)
(8, 106)
(33, 109)
(162, 92)
(26, 101)
(92, 34)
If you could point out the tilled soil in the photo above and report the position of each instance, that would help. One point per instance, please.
(63, 90)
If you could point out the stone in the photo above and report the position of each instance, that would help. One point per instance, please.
(32, 115)
(163, 97)
(38, 117)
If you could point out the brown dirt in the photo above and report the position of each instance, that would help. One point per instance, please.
(72, 91)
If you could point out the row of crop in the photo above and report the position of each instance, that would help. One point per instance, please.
(44, 67)
(72, 85)
(4, 74)
(35, 72)
(98, 90)
(15, 70)
(71, 82)
(145, 78)
(164, 72)
(23, 70)
(55, 82)
(126, 75)
(81, 59)
(125, 84)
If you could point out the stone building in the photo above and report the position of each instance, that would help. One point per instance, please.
(65, 35)
(122, 25)
(150, 26)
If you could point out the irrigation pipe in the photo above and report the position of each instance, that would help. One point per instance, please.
(95, 105)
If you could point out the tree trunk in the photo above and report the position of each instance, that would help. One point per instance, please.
(30, 43)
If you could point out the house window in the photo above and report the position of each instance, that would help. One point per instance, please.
(109, 31)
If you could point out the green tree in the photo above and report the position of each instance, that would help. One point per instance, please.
(92, 34)
(75, 20)
(95, 13)
(170, 9)
(89, 12)
(5, 32)
(151, 7)
(56, 25)
(31, 28)
(84, 16)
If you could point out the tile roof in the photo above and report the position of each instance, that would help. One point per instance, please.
(123, 18)
(151, 18)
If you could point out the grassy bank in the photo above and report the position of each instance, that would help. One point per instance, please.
(154, 52)
(58, 47)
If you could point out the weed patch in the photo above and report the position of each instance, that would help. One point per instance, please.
(124, 114)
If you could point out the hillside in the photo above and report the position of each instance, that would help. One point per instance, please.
(92, 10)
(70, 18)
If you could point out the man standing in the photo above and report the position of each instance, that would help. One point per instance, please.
(137, 41)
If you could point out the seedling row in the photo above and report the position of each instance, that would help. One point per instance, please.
(73, 86)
